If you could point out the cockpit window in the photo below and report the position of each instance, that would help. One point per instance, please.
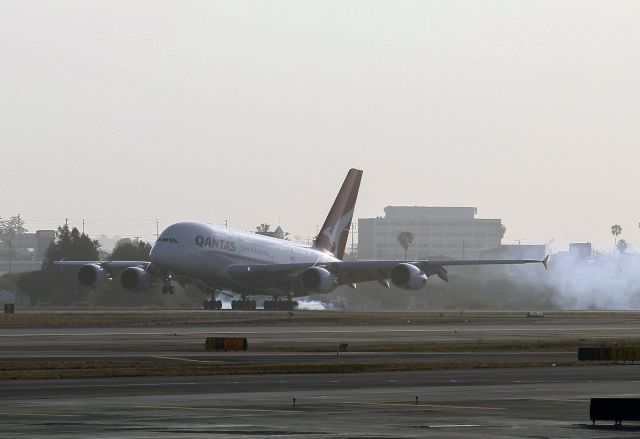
(168, 240)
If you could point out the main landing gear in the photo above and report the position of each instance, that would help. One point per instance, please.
(244, 304)
(280, 305)
(210, 302)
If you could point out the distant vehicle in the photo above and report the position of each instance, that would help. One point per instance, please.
(217, 258)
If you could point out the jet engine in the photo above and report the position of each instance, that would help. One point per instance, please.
(408, 276)
(135, 279)
(318, 280)
(91, 275)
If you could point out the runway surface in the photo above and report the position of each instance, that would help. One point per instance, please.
(550, 401)
(285, 343)
(526, 402)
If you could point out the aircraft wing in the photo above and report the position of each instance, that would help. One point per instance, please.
(352, 272)
(104, 264)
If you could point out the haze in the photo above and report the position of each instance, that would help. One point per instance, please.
(124, 112)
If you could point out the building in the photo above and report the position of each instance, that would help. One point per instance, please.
(25, 251)
(581, 251)
(438, 232)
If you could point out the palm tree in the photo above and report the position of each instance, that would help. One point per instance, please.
(405, 239)
(616, 230)
(622, 246)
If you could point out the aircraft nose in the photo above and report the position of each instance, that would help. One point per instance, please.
(155, 253)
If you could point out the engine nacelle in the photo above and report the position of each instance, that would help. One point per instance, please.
(91, 275)
(135, 279)
(318, 280)
(408, 276)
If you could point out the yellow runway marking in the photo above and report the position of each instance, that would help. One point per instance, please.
(186, 359)
(397, 403)
(560, 399)
(542, 398)
(169, 407)
(37, 414)
(463, 407)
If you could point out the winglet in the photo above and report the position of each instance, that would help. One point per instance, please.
(545, 261)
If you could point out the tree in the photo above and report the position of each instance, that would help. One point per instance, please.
(128, 250)
(263, 228)
(622, 246)
(616, 230)
(13, 224)
(38, 285)
(72, 245)
(405, 239)
(501, 231)
(9, 228)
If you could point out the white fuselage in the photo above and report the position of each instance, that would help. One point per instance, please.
(200, 251)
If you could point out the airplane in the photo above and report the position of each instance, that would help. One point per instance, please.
(218, 259)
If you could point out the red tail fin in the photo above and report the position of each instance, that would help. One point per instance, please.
(335, 231)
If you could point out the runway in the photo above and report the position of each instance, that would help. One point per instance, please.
(469, 395)
(536, 402)
(418, 338)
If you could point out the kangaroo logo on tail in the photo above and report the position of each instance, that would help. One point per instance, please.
(335, 231)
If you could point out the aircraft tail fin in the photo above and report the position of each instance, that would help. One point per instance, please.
(335, 231)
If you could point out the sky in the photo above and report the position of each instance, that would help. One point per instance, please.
(121, 113)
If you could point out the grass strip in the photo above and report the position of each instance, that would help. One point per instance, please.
(63, 369)
(130, 317)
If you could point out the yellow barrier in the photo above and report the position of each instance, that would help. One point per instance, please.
(225, 344)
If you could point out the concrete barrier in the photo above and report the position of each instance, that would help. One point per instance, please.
(614, 409)
(593, 354)
(630, 353)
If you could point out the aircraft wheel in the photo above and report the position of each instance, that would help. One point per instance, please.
(234, 304)
(218, 304)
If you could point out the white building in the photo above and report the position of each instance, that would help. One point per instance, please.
(438, 232)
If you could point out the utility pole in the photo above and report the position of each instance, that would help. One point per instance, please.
(157, 229)
(226, 224)
(83, 226)
(10, 254)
